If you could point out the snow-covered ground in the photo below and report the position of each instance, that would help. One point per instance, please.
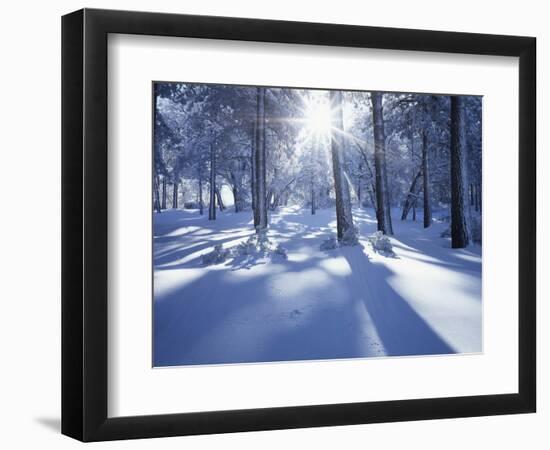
(343, 303)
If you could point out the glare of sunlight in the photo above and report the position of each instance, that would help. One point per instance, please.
(317, 122)
(318, 117)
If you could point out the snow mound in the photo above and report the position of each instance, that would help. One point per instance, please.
(381, 243)
(216, 256)
(350, 238)
(256, 247)
(446, 233)
(329, 244)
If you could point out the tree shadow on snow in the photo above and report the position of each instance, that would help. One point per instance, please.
(189, 316)
(455, 259)
(186, 317)
(164, 260)
(401, 329)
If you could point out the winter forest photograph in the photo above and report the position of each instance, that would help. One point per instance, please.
(296, 224)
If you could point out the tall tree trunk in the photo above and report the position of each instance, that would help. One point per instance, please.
(156, 194)
(274, 201)
(220, 200)
(359, 183)
(260, 210)
(344, 217)
(277, 200)
(236, 200)
(312, 190)
(478, 190)
(164, 193)
(236, 184)
(460, 233)
(383, 214)
(253, 192)
(157, 155)
(175, 195)
(182, 190)
(426, 181)
(372, 197)
(472, 194)
(370, 186)
(201, 203)
(212, 202)
(410, 201)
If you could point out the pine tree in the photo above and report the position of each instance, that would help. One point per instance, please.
(460, 233)
(260, 207)
(426, 181)
(212, 190)
(344, 217)
(383, 215)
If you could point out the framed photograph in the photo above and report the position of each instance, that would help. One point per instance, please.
(273, 224)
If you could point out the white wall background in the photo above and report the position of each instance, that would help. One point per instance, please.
(30, 225)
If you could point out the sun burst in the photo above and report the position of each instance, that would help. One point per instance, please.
(317, 117)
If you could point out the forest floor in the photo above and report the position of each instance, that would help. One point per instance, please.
(343, 303)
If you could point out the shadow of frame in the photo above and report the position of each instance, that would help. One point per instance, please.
(51, 423)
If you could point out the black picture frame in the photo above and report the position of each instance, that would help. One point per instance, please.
(84, 224)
